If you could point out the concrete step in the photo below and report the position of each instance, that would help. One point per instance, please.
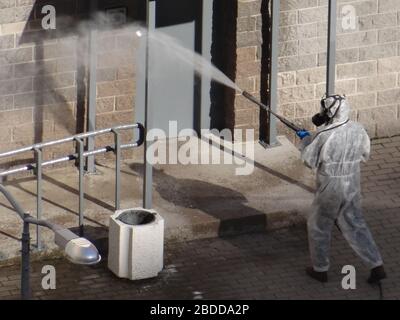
(196, 201)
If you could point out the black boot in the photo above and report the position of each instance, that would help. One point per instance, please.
(319, 276)
(377, 274)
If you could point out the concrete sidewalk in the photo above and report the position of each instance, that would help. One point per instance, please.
(197, 201)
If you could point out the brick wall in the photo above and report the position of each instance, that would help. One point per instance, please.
(43, 73)
(249, 42)
(368, 61)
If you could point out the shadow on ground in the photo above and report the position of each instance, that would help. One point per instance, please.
(225, 204)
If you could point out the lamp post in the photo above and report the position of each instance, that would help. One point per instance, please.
(78, 250)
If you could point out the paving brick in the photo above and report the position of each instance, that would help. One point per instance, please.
(394, 164)
(383, 171)
(392, 149)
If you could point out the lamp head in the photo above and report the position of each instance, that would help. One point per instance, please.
(78, 250)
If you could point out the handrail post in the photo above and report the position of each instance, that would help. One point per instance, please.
(39, 193)
(81, 177)
(117, 152)
(25, 256)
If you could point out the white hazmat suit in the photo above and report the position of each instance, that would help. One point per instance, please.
(335, 151)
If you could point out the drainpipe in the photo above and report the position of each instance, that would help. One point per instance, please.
(331, 50)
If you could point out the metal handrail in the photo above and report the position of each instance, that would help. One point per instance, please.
(79, 136)
(80, 156)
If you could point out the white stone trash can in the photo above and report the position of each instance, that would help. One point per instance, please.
(136, 243)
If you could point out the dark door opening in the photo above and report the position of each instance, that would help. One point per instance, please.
(223, 51)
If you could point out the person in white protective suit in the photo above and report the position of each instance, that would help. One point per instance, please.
(335, 151)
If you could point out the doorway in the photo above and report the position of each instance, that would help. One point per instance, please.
(176, 93)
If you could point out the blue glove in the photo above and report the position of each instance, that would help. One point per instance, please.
(302, 134)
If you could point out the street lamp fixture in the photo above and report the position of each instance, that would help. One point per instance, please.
(78, 250)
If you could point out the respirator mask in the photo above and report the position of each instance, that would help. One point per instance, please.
(325, 115)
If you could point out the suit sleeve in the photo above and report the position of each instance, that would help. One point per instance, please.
(365, 146)
(310, 152)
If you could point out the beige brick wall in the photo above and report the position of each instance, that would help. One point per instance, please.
(248, 68)
(368, 61)
(43, 75)
(42, 83)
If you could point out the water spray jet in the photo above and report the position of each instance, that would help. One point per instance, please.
(165, 47)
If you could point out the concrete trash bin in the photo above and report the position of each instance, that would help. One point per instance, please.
(136, 243)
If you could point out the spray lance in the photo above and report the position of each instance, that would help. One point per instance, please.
(299, 131)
